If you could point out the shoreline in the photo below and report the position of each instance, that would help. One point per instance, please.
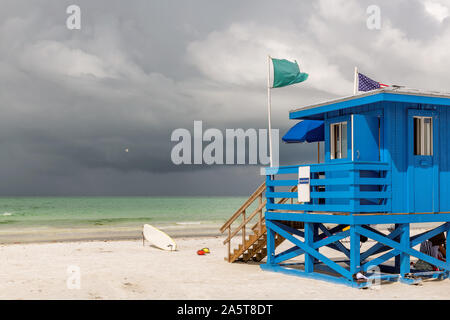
(111, 239)
(53, 234)
(45, 234)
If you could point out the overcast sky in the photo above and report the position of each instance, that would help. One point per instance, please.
(72, 101)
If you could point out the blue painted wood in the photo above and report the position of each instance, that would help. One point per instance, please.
(339, 246)
(324, 167)
(341, 196)
(422, 178)
(397, 239)
(307, 207)
(405, 243)
(419, 238)
(276, 183)
(447, 243)
(395, 146)
(270, 233)
(331, 239)
(293, 252)
(354, 250)
(325, 239)
(379, 260)
(314, 275)
(279, 228)
(288, 216)
(270, 246)
(372, 181)
(393, 183)
(400, 218)
(398, 246)
(376, 248)
(444, 161)
(309, 240)
(269, 188)
(335, 181)
(366, 141)
(317, 113)
(357, 219)
(432, 274)
(333, 195)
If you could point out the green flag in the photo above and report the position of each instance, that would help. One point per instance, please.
(286, 73)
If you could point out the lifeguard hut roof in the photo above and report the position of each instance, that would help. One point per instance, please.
(392, 94)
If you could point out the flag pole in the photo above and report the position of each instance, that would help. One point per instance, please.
(355, 82)
(269, 107)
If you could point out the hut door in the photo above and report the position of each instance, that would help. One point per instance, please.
(422, 161)
(366, 138)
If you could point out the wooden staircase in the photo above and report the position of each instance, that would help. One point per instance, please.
(253, 247)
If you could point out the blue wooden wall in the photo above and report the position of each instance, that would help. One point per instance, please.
(444, 174)
(394, 147)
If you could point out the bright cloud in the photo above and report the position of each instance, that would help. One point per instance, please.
(438, 9)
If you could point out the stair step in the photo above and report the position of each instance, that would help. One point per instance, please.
(246, 257)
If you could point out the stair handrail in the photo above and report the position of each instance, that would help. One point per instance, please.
(258, 227)
(258, 192)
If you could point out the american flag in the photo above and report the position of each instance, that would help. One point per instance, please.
(367, 84)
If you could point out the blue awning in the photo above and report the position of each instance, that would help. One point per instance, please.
(306, 131)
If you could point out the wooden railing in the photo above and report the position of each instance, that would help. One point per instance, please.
(258, 195)
(352, 187)
(258, 229)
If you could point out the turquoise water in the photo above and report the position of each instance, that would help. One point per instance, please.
(92, 211)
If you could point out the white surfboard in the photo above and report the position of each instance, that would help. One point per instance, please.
(158, 238)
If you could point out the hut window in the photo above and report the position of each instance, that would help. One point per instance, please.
(338, 140)
(423, 136)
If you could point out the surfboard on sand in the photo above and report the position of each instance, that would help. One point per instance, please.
(158, 238)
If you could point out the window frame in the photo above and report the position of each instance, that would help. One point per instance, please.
(423, 138)
(339, 150)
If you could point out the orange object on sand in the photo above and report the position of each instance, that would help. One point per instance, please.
(200, 252)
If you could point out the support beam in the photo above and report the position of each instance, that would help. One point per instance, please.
(429, 234)
(447, 245)
(396, 245)
(405, 259)
(270, 245)
(354, 250)
(377, 261)
(378, 247)
(315, 238)
(288, 254)
(309, 240)
(280, 229)
(329, 233)
(397, 239)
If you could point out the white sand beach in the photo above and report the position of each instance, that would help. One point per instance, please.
(128, 270)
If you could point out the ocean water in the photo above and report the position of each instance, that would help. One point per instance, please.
(114, 211)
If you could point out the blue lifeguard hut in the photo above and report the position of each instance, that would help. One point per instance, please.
(387, 162)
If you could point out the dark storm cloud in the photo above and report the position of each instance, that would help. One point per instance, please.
(72, 101)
